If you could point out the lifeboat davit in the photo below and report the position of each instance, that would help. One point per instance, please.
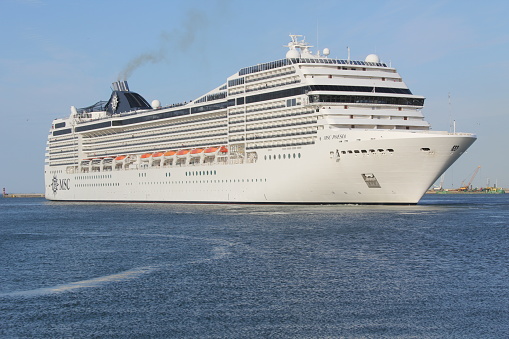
(196, 152)
(157, 154)
(182, 153)
(170, 153)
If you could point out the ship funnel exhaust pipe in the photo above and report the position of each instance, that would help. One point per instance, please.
(120, 86)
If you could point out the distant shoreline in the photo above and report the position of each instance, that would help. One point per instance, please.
(500, 191)
(23, 195)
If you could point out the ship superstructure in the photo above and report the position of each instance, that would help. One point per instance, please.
(303, 129)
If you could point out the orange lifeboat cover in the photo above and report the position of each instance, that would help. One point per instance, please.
(120, 157)
(197, 150)
(169, 153)
(183, 152)
(223, 149)
(211, 150)
(146, 155)
(157, 154)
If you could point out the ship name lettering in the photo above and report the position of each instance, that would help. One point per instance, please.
(335, 137)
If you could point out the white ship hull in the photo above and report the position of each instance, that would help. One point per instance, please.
(312, 174)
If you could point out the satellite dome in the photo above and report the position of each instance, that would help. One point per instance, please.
(326, 51)
(293, 54)
(372, 58)
(156, 104)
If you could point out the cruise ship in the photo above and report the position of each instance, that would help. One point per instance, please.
(305, 129)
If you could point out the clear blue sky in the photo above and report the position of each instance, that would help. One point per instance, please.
(54, 54)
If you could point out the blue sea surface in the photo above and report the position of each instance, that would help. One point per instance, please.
(439, 269)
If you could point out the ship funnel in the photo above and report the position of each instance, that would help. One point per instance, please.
(120, 86)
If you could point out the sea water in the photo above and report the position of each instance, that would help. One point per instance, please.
(437, 269)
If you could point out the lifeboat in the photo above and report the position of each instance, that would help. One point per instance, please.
(211, 150)
(182, 153)
(146, 156)
(223, 149)
(196, 152)
(120, 157)
(157, 154)
(169, 154)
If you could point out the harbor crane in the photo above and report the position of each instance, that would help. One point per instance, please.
(467, 186)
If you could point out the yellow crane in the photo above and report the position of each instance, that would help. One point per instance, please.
(467, 186)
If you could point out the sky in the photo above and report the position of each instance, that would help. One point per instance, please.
(57, 54)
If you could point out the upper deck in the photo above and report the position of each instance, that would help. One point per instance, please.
(314, 78)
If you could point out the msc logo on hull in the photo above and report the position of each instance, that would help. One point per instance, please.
(60, 184)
